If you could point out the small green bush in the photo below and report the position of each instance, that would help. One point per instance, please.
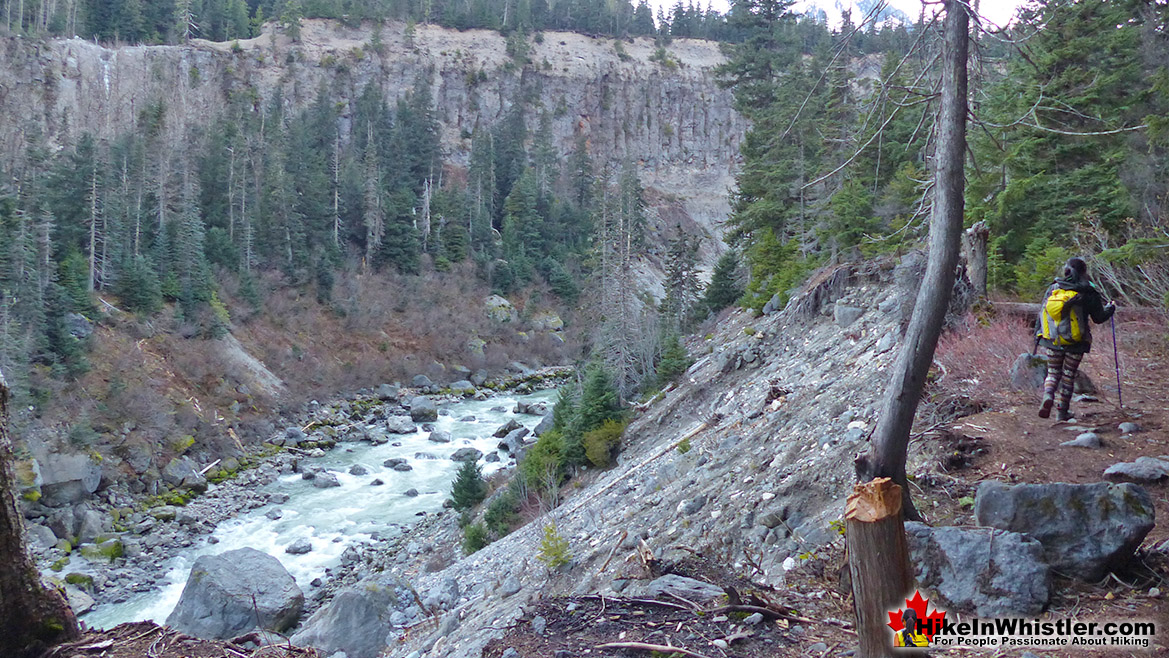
(474, 538)
(601, 444)
(502, 513)
(554, 551)
(469, 488)
(684, 445)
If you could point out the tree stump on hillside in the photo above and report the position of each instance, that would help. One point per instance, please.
(878, 561)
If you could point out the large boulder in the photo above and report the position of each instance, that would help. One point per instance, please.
(687, 588)
(499, 309)
(359, 618)
(1086, 530)
(513, 443)
(545, 424)
(422, 410)
(546, 321)
(181, 473)
(226, 594)
(1144, 469)
(463, 387)
(999, 575)
(467, 455)
(68, 478)
(400, 425)
(1029, 370)
(510, 426)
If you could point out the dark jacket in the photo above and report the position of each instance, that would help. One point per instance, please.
(1093, 305)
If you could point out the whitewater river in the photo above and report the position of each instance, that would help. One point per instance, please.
(336, 518)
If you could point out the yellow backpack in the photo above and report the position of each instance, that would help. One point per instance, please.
(1061, 318)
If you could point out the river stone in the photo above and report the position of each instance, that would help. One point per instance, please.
(226, 594)
(40, 536)
(544, 425)
(358, 619)
(358, 469)
(463, 387)
(422, 410)
(687, 588)
(411, 493)
(81, 602)
(90, 524)
(400, 425)
(507, 428)
(439, 436)
(387, 392)
(325, 480)
(421, 381)
(425, 455)
(1129, 428)
(299, 547)
(1086, 530)
(181, 473)
(467, 455)
(480, 377)
(1144, 469)
(274, 514)
(1003, 576)
(513, 443)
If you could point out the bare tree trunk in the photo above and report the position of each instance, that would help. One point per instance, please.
(974, 248)
(32, 616)
(876, 538)
(891, 441)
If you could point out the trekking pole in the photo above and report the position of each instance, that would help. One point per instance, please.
(1116, 360)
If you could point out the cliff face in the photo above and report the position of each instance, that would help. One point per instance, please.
(671, 118)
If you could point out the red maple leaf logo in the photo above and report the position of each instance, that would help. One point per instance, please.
(930, 623)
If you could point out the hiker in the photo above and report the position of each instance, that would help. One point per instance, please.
(1063, 328)
(910, 636)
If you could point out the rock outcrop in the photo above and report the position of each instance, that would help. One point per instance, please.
(358, 620)
(1086, 530)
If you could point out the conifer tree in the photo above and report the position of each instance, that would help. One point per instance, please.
(469, 488)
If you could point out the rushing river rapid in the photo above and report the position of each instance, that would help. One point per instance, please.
(336, 518)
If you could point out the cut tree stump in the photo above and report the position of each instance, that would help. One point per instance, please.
(878, 561)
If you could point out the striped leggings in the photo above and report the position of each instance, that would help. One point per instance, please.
(1061, 376)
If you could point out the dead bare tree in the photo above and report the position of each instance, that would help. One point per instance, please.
(32, 615)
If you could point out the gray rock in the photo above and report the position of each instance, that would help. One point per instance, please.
(491, 457)
(400, 425)
(480, 377)
(510, 652)
(181, 473)
(773, 305)
(753, 619)
(845, 315)
(511, 585)
(40, 536)
(358, 469)
(687, 588)
(358, 619)
(467, 454)
(79, 326)
(444, 595)
(499, 309)
(507, 428)
(377, 482)
(278, 498)
(1000, 576)
(692, 506)
(513, 443)
(425, 455)
(226, 594)
(1085, 440)
(325, 480)
(299, 547)
(886, 342)
(293, 436)
(530, 408)
(90, 524)
(80, 601)
(539, 625)
(421, 381)
(463, 387)
(67, 478)
(386, 392)
(411, 493)
(1144, 469)
(1086, 530)
(544, 425)
(439, 436)
(274, 514)
(423, 410)
(1129, 428)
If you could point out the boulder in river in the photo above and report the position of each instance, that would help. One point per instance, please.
(400, 425)
(358, 619)
(423, 410)
(226, 594)
(299, 547)
(467, 455)
(507, 428)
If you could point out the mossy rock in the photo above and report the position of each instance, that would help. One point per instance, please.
(59, 565)
(79, 580)
(106, 551)
(31, 495)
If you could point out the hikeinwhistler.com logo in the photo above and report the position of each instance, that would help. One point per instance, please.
(917, 626)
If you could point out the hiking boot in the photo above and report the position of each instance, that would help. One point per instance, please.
(1064, 414)
(1045, 408)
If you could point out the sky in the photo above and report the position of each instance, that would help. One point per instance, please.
(998, 12)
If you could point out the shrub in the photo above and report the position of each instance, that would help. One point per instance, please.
(601, 444)
(474, 538)
(541, 466)
(554, 551)
(674, 360)
(501, 513)
(469, 488)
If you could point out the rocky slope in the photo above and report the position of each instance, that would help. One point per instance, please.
(670, 118)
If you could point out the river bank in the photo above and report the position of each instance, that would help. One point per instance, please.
(119, 549)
